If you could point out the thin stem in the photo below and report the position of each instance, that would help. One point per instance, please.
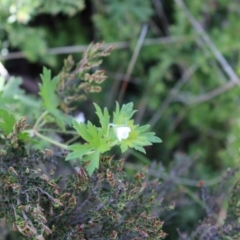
(133, 61)
(175, 179)
(72, 140)
(58, 131)
(39, 120)
(109, 125)
(192, 195)
(212, 94)
(173, 92)
(218, 55)
(117, 45)
(50, 140)
(114, 143)
(186, 77)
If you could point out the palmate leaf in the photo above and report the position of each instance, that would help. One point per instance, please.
(60, 118)
(11, 87)
(26, 138)
(7, 121)
(138, 138)
(121, 116)
(47, 90)
(121, 132)
(10, 91)
(93, 161)
(92, 135)
(50, 98)
(79, 150)
(82, 130)
(103, 117)
(90, 151)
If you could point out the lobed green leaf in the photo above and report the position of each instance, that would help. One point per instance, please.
(82, 130)
(93, 163)
(47, 90)
(7, 121)
(104, 117)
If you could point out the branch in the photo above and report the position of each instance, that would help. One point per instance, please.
(161, 14)
(222, 61)
(82, 48)
(210, 95)
(133, 61)
(173, 92)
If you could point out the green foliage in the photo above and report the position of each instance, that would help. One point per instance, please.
(47, 90)
(97, 200)
(27, 38)
(104, 117)
(95, 145)
(7, 121)
(172, 84)
(50, 98)
(23, 11)
(14, 132)
(9, 89)
(15, 100)
(112, 15)
(16, 33)
(104, 206)
(101, 140)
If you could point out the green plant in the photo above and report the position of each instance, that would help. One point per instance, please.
(171, 73)
(104, 206)
(121, 131)
(98, 200)
(16, 32)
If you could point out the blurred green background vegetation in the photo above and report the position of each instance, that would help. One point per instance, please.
(177, 61)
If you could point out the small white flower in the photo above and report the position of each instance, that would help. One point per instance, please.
(122, 132)
(80, 118)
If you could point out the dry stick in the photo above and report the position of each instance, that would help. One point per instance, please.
(222, 61)
(133, 61)
(111, 97)
(201, 44)
(202, 98)
(208, 96)
(82, 48)
(142, 107)
(161, 14)
(177, 179)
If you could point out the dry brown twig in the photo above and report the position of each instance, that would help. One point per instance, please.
(234, 79)
(82, 48)
(133, 61)
(199, 29)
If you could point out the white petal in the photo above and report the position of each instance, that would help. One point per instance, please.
(122, 132)
(80, 118)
